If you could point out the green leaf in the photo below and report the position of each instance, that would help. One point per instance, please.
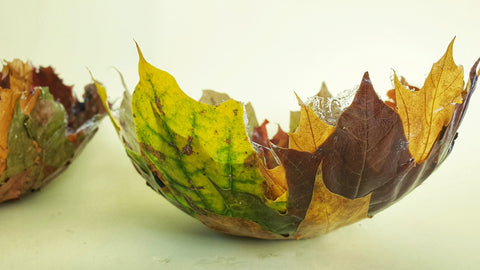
(49, 133)
(200, 151)
(37, 142)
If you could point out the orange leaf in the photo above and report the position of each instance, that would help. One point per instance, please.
(20, 81)
(426, 111)
(8, 99)
(311, 132)
(275, 181)
(20, 75)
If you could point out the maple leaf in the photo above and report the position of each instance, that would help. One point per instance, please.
(311, 132)
(219, 165)
(203, 169)
(434, 104)
(368, 147)
(329, 211)
(36, 141)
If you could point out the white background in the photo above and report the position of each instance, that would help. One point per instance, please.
(99, 214)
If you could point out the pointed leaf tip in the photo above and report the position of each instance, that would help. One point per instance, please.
(140, 54)
(324, 91)
(299, 100)
(102, 93)
(366, 76)
(449, 53)
(433, 104)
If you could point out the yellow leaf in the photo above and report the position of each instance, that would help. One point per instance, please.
(311, 132)
(425, 112)
(329, 211)
(198, 147)
(103, 97)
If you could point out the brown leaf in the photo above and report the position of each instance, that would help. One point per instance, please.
(300, 172)
(16, 186)
(260, 137)
(46, 76)
(368, 148)
(260, 134)
(77, 112)
(280, 139)
(236, 226)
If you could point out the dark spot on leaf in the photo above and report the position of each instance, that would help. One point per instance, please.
(158, 180)
(153, 151)
(187, 149)
(235, 112)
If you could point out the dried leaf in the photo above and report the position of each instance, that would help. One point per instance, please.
(329, 211)
(275, 181)
(300, 170)
(252, 121)
(426, 112)
(294, 120)
(200, 151)
(296, 115)
(415, 174)
(311, 132)
(260, 138)
(211, 97)
(237, 226)
(324, 93)
(281, 138)
(368, 148)
(8, 99)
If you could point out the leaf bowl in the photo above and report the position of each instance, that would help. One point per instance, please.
(212, 160)
(43, 127)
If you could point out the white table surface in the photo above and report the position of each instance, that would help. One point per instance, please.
(99, 214)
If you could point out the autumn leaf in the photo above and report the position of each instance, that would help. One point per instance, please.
(329, 211)
(311, 132)
(210, 168)
(39, 136)
(367, 149)
(434, 105)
